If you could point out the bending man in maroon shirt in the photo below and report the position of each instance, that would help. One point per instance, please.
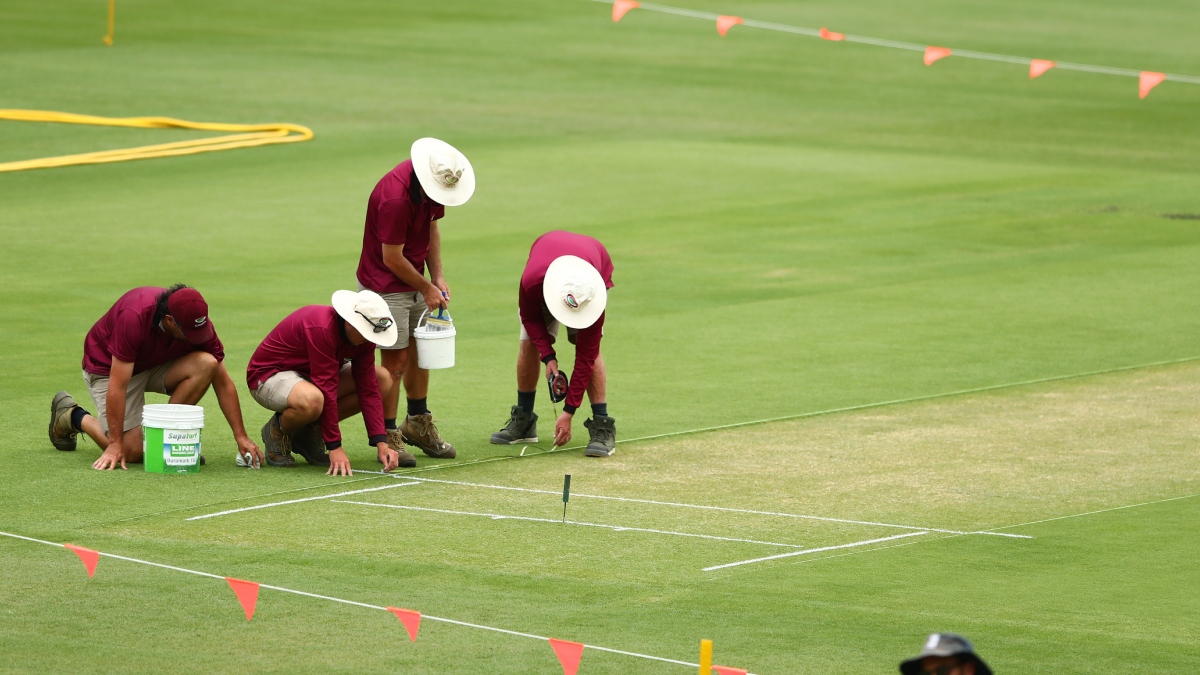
(566, 280)
(401, 237)
(318, 366)
(152, 339)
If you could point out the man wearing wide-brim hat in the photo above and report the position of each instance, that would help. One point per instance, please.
(316, 368)
(946, 654)
(565, 282)
(400, 240)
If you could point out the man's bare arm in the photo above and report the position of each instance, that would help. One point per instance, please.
(231, 407)
(393, 257)
(120, 373)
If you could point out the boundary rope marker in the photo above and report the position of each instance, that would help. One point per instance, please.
(355, 603)
(1035, 64)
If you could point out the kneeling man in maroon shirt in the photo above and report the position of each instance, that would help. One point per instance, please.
(317, 368)
(152, 339)
(566, 281)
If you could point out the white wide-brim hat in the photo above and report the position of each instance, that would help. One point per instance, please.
(369, 314)
(443, 172)
(574, 291)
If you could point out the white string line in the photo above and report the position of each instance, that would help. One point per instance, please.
(614, 528)
(297, 501)
(720, 508)
(363, 604)
(1092, 513)
(910, 46)
(813, 550)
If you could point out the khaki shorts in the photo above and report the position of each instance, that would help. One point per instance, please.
(406, 309)
(273, 394)
(154, 380)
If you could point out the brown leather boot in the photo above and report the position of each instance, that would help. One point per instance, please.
(420, 431)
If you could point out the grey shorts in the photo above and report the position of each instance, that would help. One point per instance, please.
(406, 309)
(273, 394)
(154, 380)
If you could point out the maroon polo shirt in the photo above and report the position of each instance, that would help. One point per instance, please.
(126, 332)
(393, 219)
(532, 303)
(312, 342)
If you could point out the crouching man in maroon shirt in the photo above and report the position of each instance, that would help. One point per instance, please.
(152, 339)
(566, 281)
(316, 368)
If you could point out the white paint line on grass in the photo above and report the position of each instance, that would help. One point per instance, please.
(813, 550)
(343, 601)
(1092, 513)
(715, 508)
(297, 501)
(614, 528)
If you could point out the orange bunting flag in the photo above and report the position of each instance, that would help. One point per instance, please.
(726, 670)
(89, 557)
(621, 7)
(935, 53)
(827, 34)
(411, 620)
(247, 594)
(724, 23)
(1038, 67)
(1147, 81)
(569, 654)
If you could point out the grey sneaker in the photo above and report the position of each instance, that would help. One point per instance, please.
(62, 434)
(396, 442)
(520, 428)
(604, 437)
(420, 431)
(308, 443)
(278, 445)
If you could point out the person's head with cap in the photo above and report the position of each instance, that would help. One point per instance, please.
(946, 654)
(574, 292)
(443, 172)
(368, 315)
(182, 312)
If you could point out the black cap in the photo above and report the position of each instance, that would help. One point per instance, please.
(945, 644)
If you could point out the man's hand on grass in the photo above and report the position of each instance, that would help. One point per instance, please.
(339, 463)
(113, 457)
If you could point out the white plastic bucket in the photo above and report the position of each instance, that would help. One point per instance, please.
(171, 438)
(435, 346)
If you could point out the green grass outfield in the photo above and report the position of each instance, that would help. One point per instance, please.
(797, 226)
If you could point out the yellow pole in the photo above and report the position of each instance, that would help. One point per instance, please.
(706, 657)
(112, 11)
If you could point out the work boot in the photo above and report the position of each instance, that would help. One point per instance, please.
(603, 442)
(62, 434)
(396, 442)
(520, 428)
(308, 443)
(420, 431)
(278, 445)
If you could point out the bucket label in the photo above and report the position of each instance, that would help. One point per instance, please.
(181, 447)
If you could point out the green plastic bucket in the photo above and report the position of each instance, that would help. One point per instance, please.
(171, 438)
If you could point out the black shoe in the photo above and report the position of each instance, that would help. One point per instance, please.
(520, 428)
(604, 437)
(308, 443)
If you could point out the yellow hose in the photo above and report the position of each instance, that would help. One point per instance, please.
(249, 136)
